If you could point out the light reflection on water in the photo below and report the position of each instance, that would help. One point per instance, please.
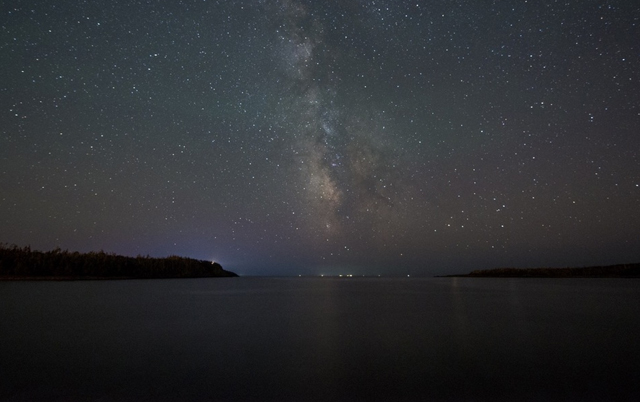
(321, 339)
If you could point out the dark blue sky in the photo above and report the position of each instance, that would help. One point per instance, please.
(300, 137)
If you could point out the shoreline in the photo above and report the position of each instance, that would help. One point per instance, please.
(540, 276)
(94, 278)
(598, 271)
(22, 263)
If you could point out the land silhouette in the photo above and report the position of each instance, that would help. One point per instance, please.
(606, 271)
(24, 263)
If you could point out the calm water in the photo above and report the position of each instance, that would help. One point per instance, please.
(321, 339)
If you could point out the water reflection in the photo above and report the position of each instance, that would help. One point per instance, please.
(461, 331)
(320, 339)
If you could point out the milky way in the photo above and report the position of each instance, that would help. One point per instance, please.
(300, 137)
(342, 164)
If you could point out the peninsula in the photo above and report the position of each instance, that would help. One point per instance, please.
(22, 263)
(608, 271)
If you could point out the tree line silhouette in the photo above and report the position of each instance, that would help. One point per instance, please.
(609, 271)
(22, 262)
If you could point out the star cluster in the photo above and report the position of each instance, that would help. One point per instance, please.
(313, 137)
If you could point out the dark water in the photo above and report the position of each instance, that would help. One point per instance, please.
(321, 339)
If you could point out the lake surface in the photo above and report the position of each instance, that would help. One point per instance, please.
(321, 339)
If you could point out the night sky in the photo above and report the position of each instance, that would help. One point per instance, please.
(324, 137)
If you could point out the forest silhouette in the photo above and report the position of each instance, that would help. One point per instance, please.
(608, 271)
(24, 263)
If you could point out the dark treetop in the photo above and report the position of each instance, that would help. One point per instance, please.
(23, 263)
(610, 271)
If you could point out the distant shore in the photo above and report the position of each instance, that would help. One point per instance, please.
(24, 264)
(608, 271)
